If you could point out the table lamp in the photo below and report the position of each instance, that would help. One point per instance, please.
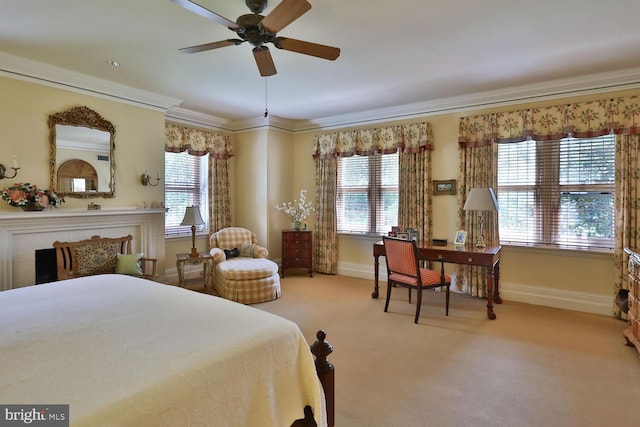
(481, 199)
(192, 217)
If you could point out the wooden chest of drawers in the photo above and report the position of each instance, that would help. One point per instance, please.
(632, 333)
(297, 250)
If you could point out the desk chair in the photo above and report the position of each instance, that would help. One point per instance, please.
(403, 270)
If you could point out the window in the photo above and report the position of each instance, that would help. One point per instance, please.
(367, 199)
(185, 185)
(557, 193)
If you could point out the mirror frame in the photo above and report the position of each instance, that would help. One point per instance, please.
(81, 117)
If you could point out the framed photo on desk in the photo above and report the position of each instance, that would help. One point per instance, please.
(461, 238)
(413, 233)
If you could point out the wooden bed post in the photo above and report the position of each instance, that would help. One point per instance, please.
(321, 349)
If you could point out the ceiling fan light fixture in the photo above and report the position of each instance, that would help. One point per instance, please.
(256, 6)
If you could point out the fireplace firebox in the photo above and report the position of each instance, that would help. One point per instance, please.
(46, 270)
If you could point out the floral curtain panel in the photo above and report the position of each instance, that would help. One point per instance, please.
(414, 141)
(325, 242)
(627, 214)
(199, 142)
(477, 170)
(416, 193)
(620, 116)
(219, 201)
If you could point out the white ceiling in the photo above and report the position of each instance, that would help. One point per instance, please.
(393, 53)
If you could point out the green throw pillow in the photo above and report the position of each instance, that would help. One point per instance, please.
(129, 264)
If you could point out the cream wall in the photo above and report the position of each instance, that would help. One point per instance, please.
(282, 182)
(24, 110)
(271, 166)
(251, 157)
(265, 176)
(566, 279)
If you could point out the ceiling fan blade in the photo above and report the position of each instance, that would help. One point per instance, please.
(203, 11)
(264, 61)
(307, 48)
(284, 14)
(210, 46)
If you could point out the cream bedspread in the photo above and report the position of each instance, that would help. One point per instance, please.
(123, 351)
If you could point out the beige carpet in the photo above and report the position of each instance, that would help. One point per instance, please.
(533, 366)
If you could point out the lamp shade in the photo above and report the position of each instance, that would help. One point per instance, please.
(192, 216)
(481, 199)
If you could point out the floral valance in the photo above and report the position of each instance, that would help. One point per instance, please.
(196, 141)
(580, 120)
(410, 138)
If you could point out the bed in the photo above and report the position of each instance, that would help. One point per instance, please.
(125, 351)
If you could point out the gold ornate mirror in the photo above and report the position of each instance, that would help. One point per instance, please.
(82, 146)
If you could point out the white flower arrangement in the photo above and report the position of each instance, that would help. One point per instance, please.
(299, 209)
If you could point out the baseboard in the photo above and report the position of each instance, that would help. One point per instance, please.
(190, 272)
(536, 295)
(361, 271)
(558, 298)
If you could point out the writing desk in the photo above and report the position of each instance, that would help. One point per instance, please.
(488, 257)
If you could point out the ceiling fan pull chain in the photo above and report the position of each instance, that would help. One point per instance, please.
(266, 111)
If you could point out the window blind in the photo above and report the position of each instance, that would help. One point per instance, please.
(186, 184)
(367, 194)
(557, 193)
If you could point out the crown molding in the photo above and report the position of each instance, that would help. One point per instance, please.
(553, 89)
(37, 72)
(48, 75)
(194, 118)
(270, 122)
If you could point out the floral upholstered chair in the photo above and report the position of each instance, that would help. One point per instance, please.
(242, 271)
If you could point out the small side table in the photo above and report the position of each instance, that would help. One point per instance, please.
(297, 250)
(203, 258)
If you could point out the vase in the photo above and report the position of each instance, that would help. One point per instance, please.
(295, 225)
(32, 207)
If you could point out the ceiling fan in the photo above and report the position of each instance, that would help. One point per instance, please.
(259, 30)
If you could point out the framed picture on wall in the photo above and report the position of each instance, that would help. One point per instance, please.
(461, 238)
(444, 187)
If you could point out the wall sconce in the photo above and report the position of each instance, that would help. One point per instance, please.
(3, 170)
(145, 179)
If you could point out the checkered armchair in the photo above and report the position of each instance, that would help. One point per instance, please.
(242, 271)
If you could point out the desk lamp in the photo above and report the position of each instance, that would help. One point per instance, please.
(481, 199)
(192, 217)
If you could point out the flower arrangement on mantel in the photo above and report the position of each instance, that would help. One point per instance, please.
(298, 210)
(30, 197)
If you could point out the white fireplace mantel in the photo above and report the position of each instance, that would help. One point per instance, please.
(22, 233)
